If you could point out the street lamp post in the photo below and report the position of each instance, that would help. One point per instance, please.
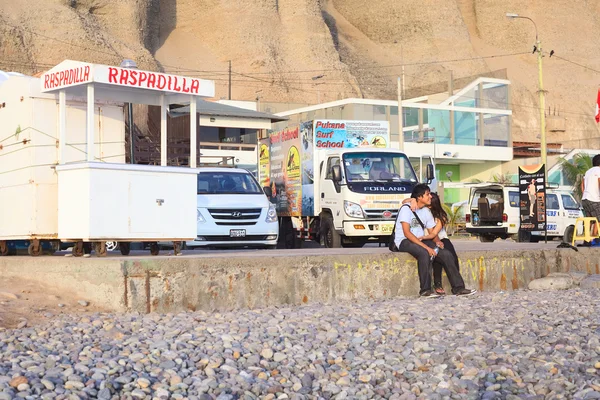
(538, 49)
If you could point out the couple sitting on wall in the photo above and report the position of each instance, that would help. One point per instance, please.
(420, 231)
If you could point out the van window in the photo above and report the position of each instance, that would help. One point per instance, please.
(227, 183)
(513, 199)
(551, 202)
(569, 202)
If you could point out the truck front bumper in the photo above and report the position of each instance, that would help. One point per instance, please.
(367, 228)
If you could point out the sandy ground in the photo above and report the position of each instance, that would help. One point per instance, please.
(23, 301)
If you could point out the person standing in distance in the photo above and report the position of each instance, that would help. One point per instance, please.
(590, 186)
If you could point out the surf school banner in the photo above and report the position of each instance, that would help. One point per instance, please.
(332, 134)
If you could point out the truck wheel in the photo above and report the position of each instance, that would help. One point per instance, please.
(569, 232)
(486, 238)
(125, 248)
(332, 239)
(3, 248)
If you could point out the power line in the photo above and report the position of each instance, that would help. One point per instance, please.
(576, 63)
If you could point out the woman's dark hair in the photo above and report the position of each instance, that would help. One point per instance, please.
(437, 210)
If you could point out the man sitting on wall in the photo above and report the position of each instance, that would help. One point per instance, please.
(409, 230)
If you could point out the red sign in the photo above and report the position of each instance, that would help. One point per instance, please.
(67, 77)
(152, 80)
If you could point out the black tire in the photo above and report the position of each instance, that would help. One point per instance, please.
(34, 252)
(568, 235)
(534, 238)
(486, 238)
(87, 248)
(125, 248)
(331, 238)
(154, 249)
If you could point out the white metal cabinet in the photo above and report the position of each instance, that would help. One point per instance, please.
(126, 202)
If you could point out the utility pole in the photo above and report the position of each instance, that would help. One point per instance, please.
(229, 79)
(542, 103)
(400, 117)
(538, 49)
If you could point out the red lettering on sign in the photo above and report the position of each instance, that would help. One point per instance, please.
(112, 75)
(161, 82)
(151, 80)
(124, 76)
(195, 86)
(133, 78)
(143, 78)
(185, 88)
(175, 87)
(46, 80)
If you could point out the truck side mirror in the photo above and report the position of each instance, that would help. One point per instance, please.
(336, 172)
(268, 191)
(430, 173)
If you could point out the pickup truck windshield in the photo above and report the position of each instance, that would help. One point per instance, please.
(227, 183)
(378, 167)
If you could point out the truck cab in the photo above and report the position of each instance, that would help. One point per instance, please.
(360, 192)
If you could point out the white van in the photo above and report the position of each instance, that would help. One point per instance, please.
(233, 211)
(494, 213)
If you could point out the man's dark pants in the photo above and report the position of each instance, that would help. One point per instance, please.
(444, 258)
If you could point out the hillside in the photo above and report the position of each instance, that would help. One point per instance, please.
(277, 46)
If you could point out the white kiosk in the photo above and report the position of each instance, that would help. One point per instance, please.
(93, 199)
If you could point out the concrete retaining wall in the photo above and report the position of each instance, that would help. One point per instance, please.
(166, 284)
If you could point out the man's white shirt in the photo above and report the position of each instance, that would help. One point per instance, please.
(591, 191)
(406, 215)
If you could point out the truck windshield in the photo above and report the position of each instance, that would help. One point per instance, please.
(378, 167)
(227, 183)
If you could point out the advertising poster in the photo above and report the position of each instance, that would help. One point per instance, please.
(263, 163)
(308, 175)
(331, 134)
(532, 196)
(285, 171)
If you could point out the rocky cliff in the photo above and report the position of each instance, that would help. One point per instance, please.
(352, 48)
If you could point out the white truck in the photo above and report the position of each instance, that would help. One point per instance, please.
(335, 182)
